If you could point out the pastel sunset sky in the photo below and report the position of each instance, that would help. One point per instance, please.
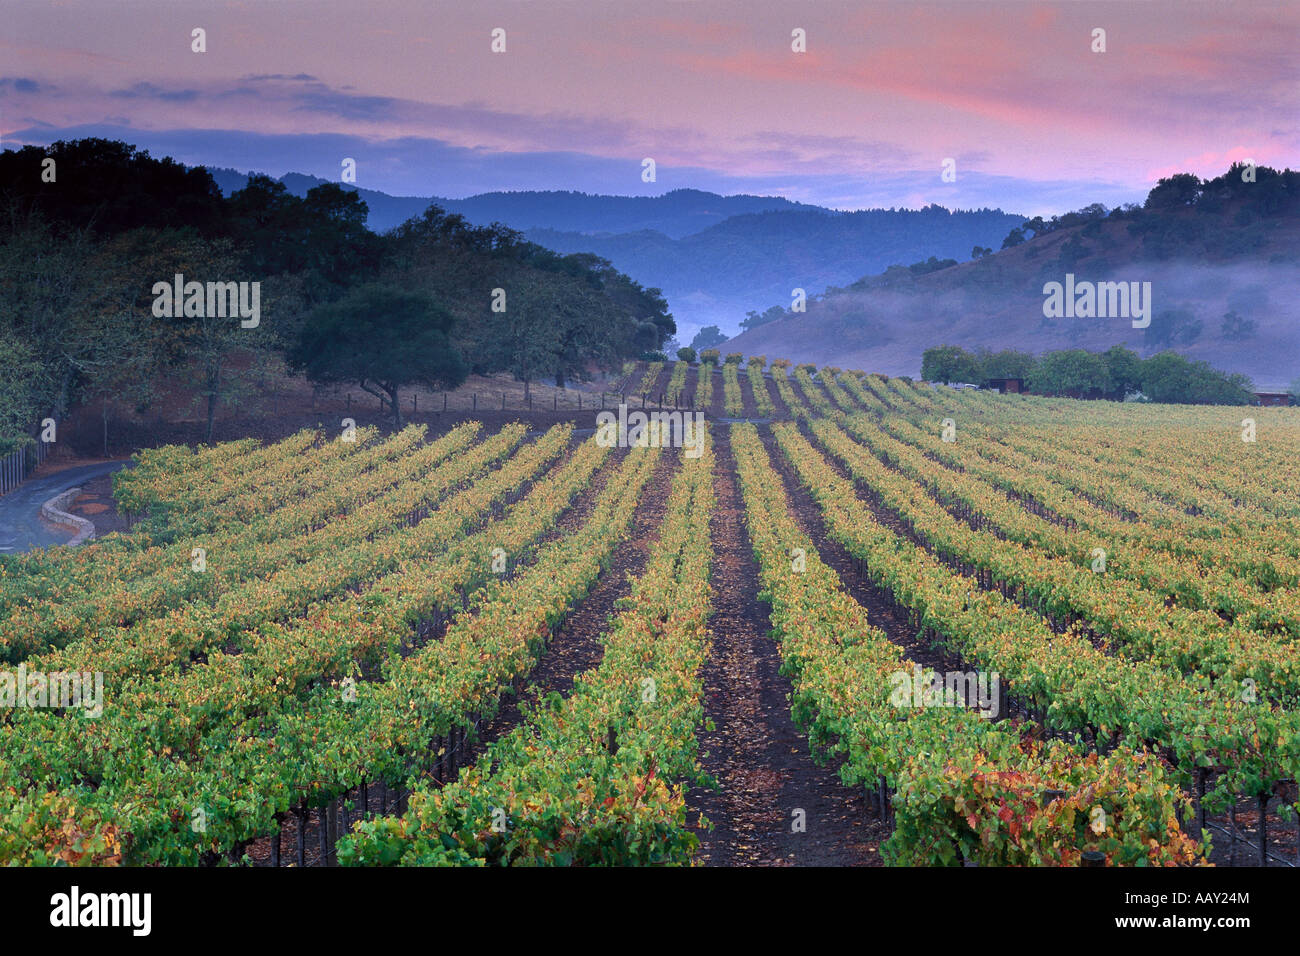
(1036, 121)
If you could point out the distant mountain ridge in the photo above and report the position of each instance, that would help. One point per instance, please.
(714, 257)
(675, 214)
(1220, 260)
(715, 276)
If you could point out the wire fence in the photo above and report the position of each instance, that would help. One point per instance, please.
(22, 461)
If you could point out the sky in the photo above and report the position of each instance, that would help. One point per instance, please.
(1034, 121)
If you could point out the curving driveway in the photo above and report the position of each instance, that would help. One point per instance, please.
(21, 528)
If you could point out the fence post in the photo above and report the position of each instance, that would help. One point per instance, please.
(1232, 839)
(301, 836)
(1263, 830)
(323, 831)
(1200, 801)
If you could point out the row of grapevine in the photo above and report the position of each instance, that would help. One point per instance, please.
(964, 788)
(1024, 478)
(138, 579)
(731, 396)
(1185, 461)
(651, 377)
(1257, 555)
(762, 398)
(1191, 577)
(270, 660)
(853, 384)
(596, 778)
(786, 391)
(1058, 582)
(317, 741)
(227, 597)
(1078, 687)
(45, 572)
(815, 396)
(677, 383)
(704, 386)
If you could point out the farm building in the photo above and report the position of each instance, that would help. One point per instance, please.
(1274, 397)
(1006, 386)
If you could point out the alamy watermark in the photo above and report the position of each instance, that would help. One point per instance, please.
(213, 300)
(35, 690)
(1100, 300)
(922, 687)
(129, 910)
(661, 429)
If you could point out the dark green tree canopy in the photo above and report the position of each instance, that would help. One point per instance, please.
(382, 338)
(1170, 377)
(948, 363)
(754, 319)
(1125, 368)
(109, 187)
(1113, 374)
(1074, 372)
(707, 338)
(1007, 363)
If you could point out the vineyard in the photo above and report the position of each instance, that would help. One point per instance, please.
(1001, 629)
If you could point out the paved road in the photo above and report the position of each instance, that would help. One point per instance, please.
(21, 528)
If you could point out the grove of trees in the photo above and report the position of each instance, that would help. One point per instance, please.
(83, 240)
(1078, 373)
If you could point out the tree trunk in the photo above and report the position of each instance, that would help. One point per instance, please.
(528, 392)
(65, 387)
(559, 378)
(397, 405)
(214, 380)
(105, 426)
